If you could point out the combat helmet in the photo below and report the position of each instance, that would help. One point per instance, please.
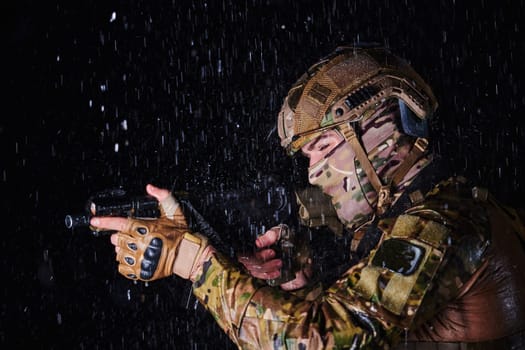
(341, 89)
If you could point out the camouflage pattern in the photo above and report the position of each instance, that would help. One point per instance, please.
(343, 86)
(341, 175)
(424, 258)
(337, 176)
(316, 210)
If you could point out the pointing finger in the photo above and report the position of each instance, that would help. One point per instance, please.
(114, 239)
(110, 223)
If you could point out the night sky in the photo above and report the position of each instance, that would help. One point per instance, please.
(184, 94)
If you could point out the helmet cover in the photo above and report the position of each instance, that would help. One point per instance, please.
(345, 84)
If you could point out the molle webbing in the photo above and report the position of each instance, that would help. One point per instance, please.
(393, 280)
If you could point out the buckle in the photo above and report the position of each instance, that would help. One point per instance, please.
(421, 144)
(384, 199)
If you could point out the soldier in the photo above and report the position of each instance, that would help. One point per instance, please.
(441, 266)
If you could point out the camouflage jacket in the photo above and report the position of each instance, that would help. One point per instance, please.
(424, 258)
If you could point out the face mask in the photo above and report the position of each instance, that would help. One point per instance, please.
(341, 177)
(352, 195)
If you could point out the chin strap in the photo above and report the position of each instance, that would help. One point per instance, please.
(385, 193)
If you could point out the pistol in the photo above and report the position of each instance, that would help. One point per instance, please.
(114, 202)
(243, 207)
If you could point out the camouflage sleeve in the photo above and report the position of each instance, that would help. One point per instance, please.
(453, 209)
(225, 292)
(425, 257)
(256, 316)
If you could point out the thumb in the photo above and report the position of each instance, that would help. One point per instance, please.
(159, 193)
(169, 206)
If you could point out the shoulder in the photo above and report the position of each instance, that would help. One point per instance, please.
(438, 242)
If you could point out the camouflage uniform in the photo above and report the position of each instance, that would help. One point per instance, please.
(448, 268)
(430, 259)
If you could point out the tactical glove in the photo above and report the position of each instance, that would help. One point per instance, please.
(151, 249)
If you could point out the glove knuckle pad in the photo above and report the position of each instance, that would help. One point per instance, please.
(151, 259)
(129, 260)
(142, 230)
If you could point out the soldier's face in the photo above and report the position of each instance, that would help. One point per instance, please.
(332, 167)
(320, 147)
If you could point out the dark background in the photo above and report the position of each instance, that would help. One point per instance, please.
(185, 94)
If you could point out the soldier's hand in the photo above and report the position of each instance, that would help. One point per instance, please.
(149, 249)
(263, 264)
(266, 266)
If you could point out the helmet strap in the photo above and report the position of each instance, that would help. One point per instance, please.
(418, 149)
(351, 137)
(385, 192)
(386, 197)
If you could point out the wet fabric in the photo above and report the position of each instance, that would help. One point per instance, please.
(456, 262)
